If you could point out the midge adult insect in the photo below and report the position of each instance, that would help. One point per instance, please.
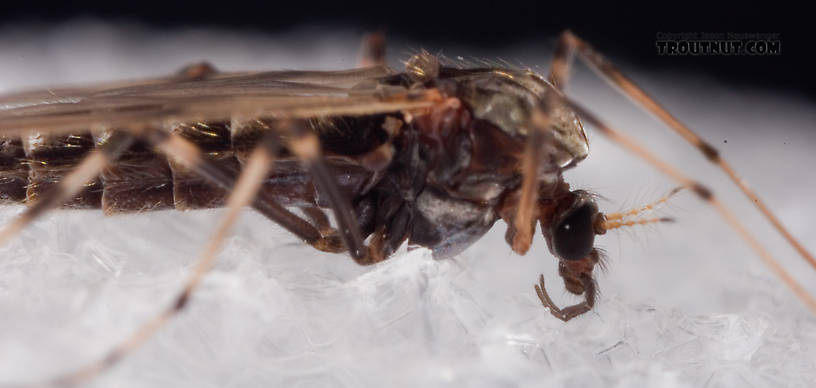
(433, 155)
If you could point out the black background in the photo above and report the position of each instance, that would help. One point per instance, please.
(627, 32)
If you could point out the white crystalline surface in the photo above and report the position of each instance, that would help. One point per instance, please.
(682, 305)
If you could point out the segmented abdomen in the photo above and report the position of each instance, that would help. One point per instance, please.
(140, 180)
(35, 163)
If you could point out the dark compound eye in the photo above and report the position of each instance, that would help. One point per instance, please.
(574, 236)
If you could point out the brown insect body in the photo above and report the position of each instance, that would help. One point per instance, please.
(452, 173)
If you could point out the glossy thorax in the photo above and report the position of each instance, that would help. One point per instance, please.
(458, 168)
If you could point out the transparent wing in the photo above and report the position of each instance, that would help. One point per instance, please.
(294, 94)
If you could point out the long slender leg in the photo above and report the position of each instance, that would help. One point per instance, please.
(569, 44)
(524, 225)
(89, 168)
(305, 144)
(525, 216)
(246, 188)
(181, 149)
